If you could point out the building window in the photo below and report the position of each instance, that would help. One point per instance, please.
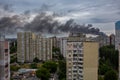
(69, 51)
(81, 59)
(74, 51)
(74, 55)
(75, 46)
(69, 55)
(80, 67)
(74, 59)
(75, 71)
(6, 50)
(81, 55)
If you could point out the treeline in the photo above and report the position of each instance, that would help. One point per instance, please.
(108, 63)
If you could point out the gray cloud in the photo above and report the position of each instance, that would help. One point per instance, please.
(44, 23)
(83, 11)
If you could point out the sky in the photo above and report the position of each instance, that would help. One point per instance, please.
(101, 13)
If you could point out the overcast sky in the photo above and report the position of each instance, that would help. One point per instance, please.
(101, 13)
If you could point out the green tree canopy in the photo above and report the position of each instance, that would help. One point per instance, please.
(43, 73)
(33, 65)
(110, 75)
(51, 66)
(14, 68)
(36, 60)
(62, 70)
(109, 53)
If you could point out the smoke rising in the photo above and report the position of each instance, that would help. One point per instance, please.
(42, 23)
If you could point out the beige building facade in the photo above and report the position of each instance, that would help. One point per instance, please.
(82, 60)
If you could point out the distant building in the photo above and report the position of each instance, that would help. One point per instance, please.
(44, 48)
(102, 40)
(63, 44)
(31, 46)
(117, 41)
(55, 42)
(112, 39)
(4, 59)
(82, 60)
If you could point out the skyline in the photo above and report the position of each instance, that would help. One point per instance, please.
(101, 14)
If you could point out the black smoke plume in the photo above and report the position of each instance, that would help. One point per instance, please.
(43, 23)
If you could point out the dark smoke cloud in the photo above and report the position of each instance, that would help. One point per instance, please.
(10, 25)
(43, 23)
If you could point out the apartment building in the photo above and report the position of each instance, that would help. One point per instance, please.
(31, 45)
(63, 42)
(25, 47)
(82, 60)
(112, 39)
(71, 37)
(4, 59)
(44, 48)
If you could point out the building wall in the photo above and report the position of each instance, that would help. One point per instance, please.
(82, 60)
(39, 47)
(20, 47)
(90, 64)
(112, 39)
(63, 44)
(31, 46)
(4, 59)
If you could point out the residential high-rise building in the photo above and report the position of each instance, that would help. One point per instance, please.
(55, 42)
(25, 46)
(31, 46)
(4, 59)
(72, 37)
(117, 41)
(44, 48)
(82, 60)
(63, 44)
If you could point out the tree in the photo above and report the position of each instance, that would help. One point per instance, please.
(13, 59)
(109, 53)
(43, 74)
(13, 48)
(57, 54)
(51, 66)
(14, 68)
(36, 60)
(103, 68)
(33, 65)
(62, 70)
(110, 75)
(100, 78)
